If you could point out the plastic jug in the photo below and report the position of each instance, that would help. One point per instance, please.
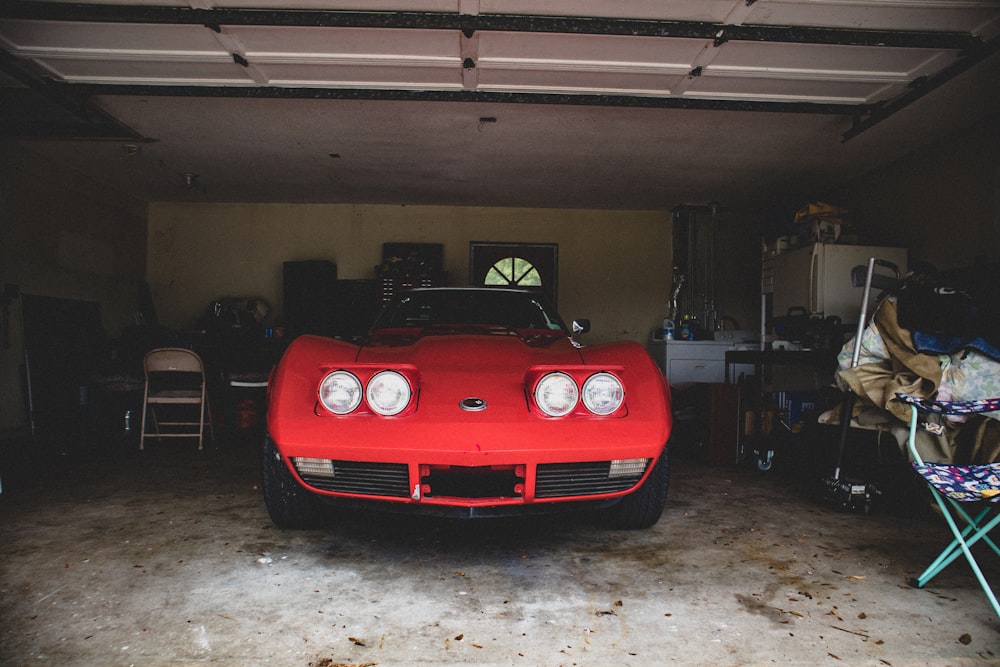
(668, 329)
(686, 331)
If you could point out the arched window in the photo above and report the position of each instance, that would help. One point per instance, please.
(513, 272)
(530, 266)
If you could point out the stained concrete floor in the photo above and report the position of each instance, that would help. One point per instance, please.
(168, 558)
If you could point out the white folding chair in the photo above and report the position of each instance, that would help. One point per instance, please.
(175, 376)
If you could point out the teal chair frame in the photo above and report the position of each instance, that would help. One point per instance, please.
(952, 486)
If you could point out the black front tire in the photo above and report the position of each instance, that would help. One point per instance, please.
(288, 504)
(642, 508)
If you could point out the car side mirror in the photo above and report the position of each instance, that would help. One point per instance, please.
(581, 326)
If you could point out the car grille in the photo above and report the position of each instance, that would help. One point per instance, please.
(553, 480)
(372, 479)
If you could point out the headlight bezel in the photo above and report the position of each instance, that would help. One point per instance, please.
(548, 383)
(617, 388)
(407, 377)
(579, 375)
(351, 382)
(402, 385)
(573, 391)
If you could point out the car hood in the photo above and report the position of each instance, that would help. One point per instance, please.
(450, 370)
(480, 353)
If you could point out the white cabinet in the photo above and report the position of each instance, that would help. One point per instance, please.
(701, 360)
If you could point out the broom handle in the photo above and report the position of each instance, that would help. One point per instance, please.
(864, 313)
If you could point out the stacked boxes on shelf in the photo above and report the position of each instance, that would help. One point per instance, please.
(409, 265)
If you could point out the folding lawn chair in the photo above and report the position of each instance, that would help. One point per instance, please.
(953, 485)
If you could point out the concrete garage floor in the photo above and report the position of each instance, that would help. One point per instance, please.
(169, 558)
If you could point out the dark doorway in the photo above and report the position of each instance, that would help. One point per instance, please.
(64, 343)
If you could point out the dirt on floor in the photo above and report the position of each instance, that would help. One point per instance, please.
(167, 557)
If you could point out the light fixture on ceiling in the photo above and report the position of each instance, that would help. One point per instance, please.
(190, 179)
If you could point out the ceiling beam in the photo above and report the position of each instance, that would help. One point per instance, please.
(40, 108)
(480, 96)
(876, 113)
(472, 23)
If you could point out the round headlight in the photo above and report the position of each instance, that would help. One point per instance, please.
(340, 392)
(603, 393)
(556, 394)
(388, 393)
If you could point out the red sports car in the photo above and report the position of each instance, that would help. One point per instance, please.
(467, 402)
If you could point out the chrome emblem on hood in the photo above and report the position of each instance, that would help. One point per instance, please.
(472, 404)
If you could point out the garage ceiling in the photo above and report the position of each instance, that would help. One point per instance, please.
(638, 104)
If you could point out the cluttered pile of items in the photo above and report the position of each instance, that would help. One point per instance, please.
(815, 222)
(931, 337)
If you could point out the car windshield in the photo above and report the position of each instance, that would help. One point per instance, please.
(483, 307)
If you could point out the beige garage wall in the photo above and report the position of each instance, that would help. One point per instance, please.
(614, 266)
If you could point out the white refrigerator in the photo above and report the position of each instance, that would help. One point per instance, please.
(817, 278)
